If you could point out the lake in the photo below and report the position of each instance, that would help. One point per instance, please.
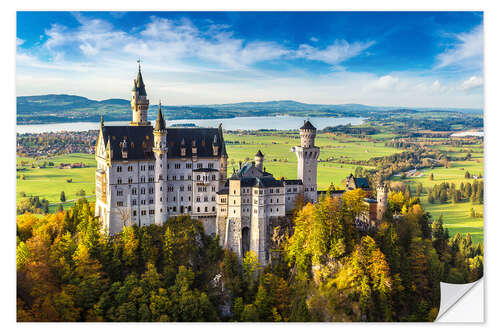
(239, 123)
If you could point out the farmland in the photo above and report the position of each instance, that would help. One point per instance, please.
(340, 155)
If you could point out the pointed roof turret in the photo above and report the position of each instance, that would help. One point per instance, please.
(160, 121)
(139, 83)
(259, 154)
(102, 121)
(183, 143)
(307, 125)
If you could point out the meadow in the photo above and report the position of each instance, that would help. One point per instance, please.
(48, 182)
(456, 216)
(281, 162)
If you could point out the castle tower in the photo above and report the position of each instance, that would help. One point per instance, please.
(381, 200)
(259, 160)
(307, 161)
(139, 102)
(160, 150)
(258, 223)
(223, 160)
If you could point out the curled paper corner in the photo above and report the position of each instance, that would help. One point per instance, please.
(451, 298)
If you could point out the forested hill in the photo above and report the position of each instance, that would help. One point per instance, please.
(70, 108)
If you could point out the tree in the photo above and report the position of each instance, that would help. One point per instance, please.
(431, 177)
(62, 198)
(419, 189)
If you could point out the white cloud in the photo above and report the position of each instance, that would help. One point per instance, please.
(386, 82)
(472, 82)
(333, 54)
(186, 64)
(19, 41)
(466, 51)
(313, 39)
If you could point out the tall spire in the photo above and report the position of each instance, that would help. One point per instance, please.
(102, 121)
(139, 83)
(160, 121)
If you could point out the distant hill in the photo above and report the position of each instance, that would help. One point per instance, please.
(70, 108)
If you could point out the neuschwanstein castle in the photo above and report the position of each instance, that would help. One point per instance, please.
(146, 174)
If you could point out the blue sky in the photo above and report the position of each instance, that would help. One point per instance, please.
(420, 59)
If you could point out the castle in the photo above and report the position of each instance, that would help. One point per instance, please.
(146, 174)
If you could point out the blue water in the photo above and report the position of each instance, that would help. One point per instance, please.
(240, 123)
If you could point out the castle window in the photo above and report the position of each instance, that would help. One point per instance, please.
(151, 179)
(130, 180)
(182, 198)
(213, 198)
(119, 168)
(119, 180)
(205, 199)
(151, 201)
(198, 199)
(199, 165)
(213, 188)
(119, 193)
(198, 177)
(198, 209)
(119, 203)
(143, 202)
(213, 177)
(188, 165)
(151, 190)
(189, 188)
(182, 177)
(277, 190)
(177, 165)
(168, 165)
(213, 208)
(134, 213)
(211, 165)
(134, 191)
(134, 202)
(206, 209)
(182, 188)
(189, 177)
(143, 212)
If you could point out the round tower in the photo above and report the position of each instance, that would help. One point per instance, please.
(307, 161)
(160, 150)
(307, 135)
(259, 160)
(139, 102)
(382, 192)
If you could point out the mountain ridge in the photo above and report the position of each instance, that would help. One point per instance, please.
(50, 108)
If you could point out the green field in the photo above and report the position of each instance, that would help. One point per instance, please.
(456, 217)
(281, 162)
(50, 181)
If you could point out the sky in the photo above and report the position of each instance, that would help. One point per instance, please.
(413, 59)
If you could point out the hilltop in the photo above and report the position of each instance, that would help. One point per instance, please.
(70, 108)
